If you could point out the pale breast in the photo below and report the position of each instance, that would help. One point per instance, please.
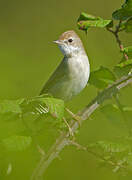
(69, 79)
(79, 72)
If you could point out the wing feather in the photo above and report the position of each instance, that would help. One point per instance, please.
(59, 75)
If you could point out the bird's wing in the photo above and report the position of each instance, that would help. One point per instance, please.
(58, 76)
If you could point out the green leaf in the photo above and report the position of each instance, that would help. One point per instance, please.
(86, 21)
(110, 25)
(44, 105)
(124, 63)
(111, 147)
(101, 78)
(127, 109)
(122, 14)
(127, 4)
(122, 26)
(128, 25)
(10, 109)
(17, 143)
(84, 16)
(125, 12)
(125, 66)
(43, 112)
(13, 106)
(123, 70)
(32, 114)
(128, 161)
(56, 106)
(84, 25)
(114, 155)
(128, 50)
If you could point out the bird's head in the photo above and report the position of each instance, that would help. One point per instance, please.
(69, 43)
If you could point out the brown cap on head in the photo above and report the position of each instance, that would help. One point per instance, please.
(70, 38)
(68, 34)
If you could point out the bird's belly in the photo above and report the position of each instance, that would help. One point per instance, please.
(74, 81)
(74, 84)
(79, 82)
(68, 89)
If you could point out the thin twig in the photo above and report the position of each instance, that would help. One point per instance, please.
(63, 139)
(116, 34)
(123, 113)
(69, 128)
(74, 116)
(100, 157)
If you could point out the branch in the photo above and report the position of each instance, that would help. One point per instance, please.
(123, 114)
(115, 164)
(63, 139)
(116, 34)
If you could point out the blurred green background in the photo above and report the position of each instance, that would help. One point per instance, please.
(27, 58)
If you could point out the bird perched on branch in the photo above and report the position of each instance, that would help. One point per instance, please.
(72, 74)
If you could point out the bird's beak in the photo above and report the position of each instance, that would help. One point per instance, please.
(57, 42)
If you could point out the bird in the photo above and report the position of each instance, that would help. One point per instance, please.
(72, 74)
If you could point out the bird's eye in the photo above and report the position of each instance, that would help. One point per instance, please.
(70, 40)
